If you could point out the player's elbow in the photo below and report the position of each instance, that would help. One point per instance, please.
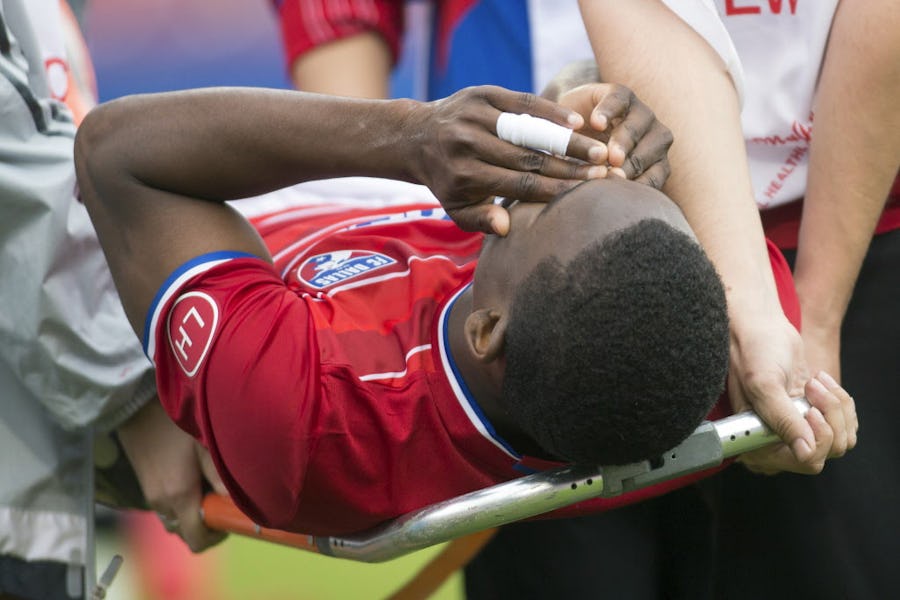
(98, 160)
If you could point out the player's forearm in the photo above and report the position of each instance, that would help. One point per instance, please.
(853, 157)
(220, 144)
(686, 83)
(358, 66)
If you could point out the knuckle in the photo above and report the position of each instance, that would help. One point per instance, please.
(460, 139)
(660, 175)
(532, 161)
(527, 101)
(622, 93)
(829, 402)
(816, 467)
(631, 131)
(459, 183)
(479, 92)
(527, 185)
(636, 162)
(840, 446)
(575, 171)
(783, 424)
(758, 384)
(665, 136)
(656, 178)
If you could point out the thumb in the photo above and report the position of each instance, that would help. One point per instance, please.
(785, 420)
(487, 218)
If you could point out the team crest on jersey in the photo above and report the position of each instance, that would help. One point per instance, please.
(324, 270)
(191, 327)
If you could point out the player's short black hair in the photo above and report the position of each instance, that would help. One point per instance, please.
(617, 356)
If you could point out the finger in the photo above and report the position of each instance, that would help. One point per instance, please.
(769, 461)
(526, 103)
(834, 410)
(847, 403)
(780, 457)
(830, 407)
(611, 102)
(824, 440)
(624, 119)
(529, 187)
(650, 150)
(775, 408)
(656, 176)
(588, 149)
(625, 136)
(485, 217)
(503, 154)
(191, 528)
(208, 468)
(527, 131)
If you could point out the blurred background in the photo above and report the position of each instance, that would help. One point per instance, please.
(142, 46)
(156, 45)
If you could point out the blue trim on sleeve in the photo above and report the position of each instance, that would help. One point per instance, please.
(219, 255)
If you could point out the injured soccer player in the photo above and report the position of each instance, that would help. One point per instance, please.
(345, 365)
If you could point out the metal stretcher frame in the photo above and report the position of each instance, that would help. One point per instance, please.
(710, 444)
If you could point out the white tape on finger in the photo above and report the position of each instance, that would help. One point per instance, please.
(533, 132)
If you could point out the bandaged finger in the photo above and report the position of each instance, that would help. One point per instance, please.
(533, 132)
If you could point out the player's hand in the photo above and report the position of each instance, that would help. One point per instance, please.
(457, 154)
(171, 468)
(767, 370)
(637, 142)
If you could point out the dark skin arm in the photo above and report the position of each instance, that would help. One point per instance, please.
(155, 170)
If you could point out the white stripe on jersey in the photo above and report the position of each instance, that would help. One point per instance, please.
(396, 374)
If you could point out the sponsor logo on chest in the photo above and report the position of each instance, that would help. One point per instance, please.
(325, 270)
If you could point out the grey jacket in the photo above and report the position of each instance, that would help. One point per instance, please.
(69, 361)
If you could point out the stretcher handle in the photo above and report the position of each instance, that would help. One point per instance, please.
(220, 513)
(514, 500)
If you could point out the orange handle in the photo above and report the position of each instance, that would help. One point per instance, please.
(220, 513)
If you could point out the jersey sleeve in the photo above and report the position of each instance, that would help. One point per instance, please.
(313, 23)
(237, 368)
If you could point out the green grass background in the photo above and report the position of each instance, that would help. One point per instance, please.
(254, 570)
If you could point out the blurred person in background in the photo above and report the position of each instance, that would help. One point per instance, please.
(69, 366)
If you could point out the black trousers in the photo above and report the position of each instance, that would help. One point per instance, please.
(835, 535)
(739, 535)
(37, 580)
(656, 549)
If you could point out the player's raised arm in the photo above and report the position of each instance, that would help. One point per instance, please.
(155, 169)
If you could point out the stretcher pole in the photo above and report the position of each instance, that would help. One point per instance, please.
(707, 447)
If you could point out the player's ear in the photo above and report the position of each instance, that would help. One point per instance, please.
(485, 333)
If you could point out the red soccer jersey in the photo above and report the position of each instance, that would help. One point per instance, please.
(323, 386)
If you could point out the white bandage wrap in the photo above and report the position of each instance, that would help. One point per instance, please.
(533, 132)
